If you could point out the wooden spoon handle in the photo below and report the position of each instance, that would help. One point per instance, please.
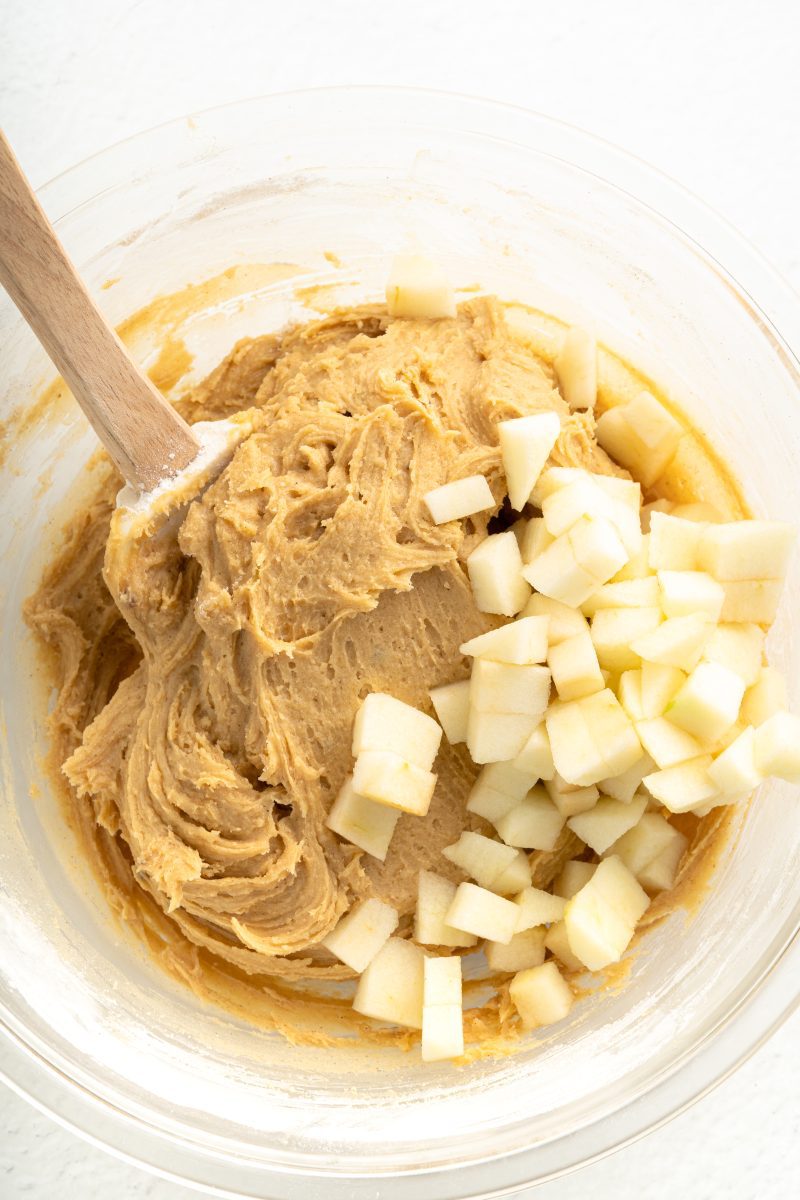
(145, 437)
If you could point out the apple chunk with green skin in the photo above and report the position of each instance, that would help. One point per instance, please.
(777, 747)
(389, 779)
(521, 642)
(418, 287)
(525, 949)
(479, 911)
(541, 995)
(576, 368)
(451, 705)
(495, 572)
(741, 550)
(362, 933)
(640, 435)
(607, 822)
(435, 894)
(391, 988)
(385, 723)
(461, 498)
(525, 444)
(708, 703)
(363, 822)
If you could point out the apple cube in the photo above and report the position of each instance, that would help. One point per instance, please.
(575, 668)
(557, 574)
(385, 723)
(387, 778)
(536, 757)
(515, 878)
(627, 593)
(557, 942)
(597, 934)
(391, 988)
(674, 543)
(362, 933)
(589, 498)
(683, 787)
(677, 642)
(684, 593)
(708, 703)
(766, 697)
(641, 435)
(541, 995)
(535, 539)
(597, 547)
(638, 565)
(576, 368)
(537, 907)
(666, 744)
(612, 732)
(434, 896)
(564, 622)
(442, 981)
(442, 1030)
(777, 747)
(481, 857)
(525, 444)
(741, 550)
(458, 499)
(495, 572)
(740, 648)
(576, 756)
(613, 631)
(479, 911)
(534, 824)
(607, 822)
(363, 822)
(630, 694)
(574, 875)
(660, 506)
(499, 687)
(647, 840)
(525, 949)
(627, 492)
(659, 685)
(571, 800)
(660, 874)
(488, 803)
(615, 883)
(451, 705)
(734, 770)
(755, 600)
(497, 737)
(521, 642)
(498, 779)
(625, 786)
(417, 287)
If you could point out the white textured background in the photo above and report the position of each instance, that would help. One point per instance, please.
(708, 91)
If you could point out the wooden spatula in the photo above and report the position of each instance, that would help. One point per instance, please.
(146, 438)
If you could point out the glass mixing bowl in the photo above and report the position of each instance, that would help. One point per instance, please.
(534, 211)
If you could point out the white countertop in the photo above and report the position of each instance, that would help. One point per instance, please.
(708, 93)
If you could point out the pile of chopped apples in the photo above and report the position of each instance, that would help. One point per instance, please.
(627, 684)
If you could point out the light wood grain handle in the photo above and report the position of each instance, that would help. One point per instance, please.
(145, 437)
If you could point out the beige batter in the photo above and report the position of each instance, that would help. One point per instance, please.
(209, 672)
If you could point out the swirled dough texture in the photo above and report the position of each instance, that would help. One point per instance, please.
(205, 736)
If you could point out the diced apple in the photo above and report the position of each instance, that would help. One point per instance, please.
(441, 981)
(435, 894)
(525, 444)
(677, 642)
(417, 287)
(576, 368)
(536, 757)
(666, 744)
(638, 565)
(752, 600)
(442, 1031)
(535, 539)
(766, 697)
(451, 705)
(613, 733)
(458, 499)
(628, 593)
(630, 694)
(534, 824)
(553, 479)
(385, 723)
(495, 572)
(557, 942)
(613, 631)
(660, 506)
(576, 756)
(641, 435)
(389, 779)
(575, 668)
(557, 574)
(537, 907)
(521, 642)
(497, 737)
(498, 687)
(734, 770)
(743, 550)
(362, 933)
(541, 996)
(777, 747)
(587, 499)
(363, 822)
(660, 874)
(525, 949)
(564, 621)
(708, 703)
(607, 822)
(627, 492)
(597, 547)
(674, 543)
(597, 934)
(490, 804)
(500, 777)
(625, 786)
(515, 878)
(479, 911)
(616, 884)
(646, 841)
(391, 988)
(683, 787)
(659, 685)
(481, 857)
(740, 648)
(574, 875)
(684, 593)
(571, 800)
